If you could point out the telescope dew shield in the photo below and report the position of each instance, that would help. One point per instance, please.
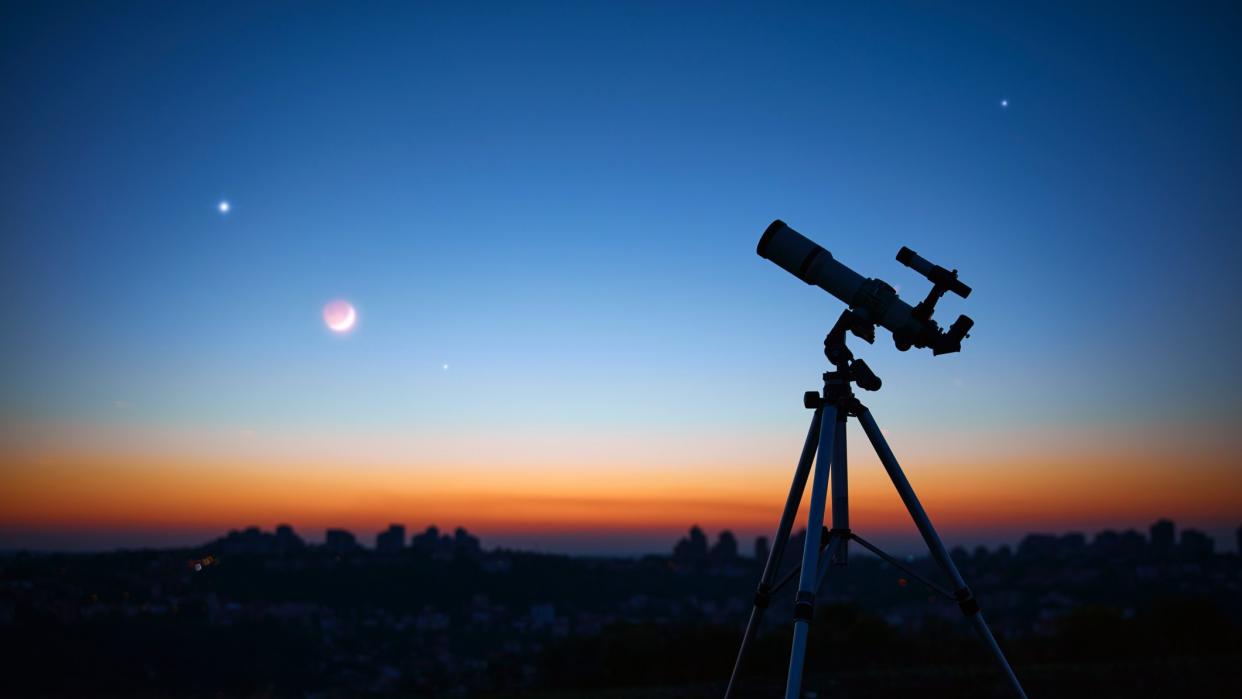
(806, 260)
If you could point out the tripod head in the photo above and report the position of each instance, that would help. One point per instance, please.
(848, 368)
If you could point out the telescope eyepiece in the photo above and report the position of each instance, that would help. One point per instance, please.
(951, 340)
(960, 327)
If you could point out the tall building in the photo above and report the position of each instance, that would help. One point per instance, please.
(725, 548)
(692, 548)
(464, 542)
(286, 540)
(391, 540)
(762, 550)
(340, 541)
(1163, 536)
(428, 541)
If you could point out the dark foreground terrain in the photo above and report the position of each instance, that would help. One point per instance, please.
(263, 615)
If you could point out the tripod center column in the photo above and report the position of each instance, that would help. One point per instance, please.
(840, 489)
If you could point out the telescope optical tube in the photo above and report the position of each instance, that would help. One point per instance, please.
(806, 260)
(877, 301)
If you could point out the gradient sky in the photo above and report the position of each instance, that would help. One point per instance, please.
(560, 202)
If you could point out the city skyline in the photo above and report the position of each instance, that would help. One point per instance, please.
(542, 221)
(1162, 537)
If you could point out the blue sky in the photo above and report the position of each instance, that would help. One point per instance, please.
(561, 201)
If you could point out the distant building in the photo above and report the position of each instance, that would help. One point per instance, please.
(1110, 544)
(1196, 544)
(1038, 546)
(252, 541)
(1238, 543)
(725, 548)
(693, 548)
(286, 540)
(247, 542)
(762, 550)
(391, 540)
(340, 541)
(1133, 543)
(464, 543)
(1106, 543)
(433, 543)
(428, 541)
(1163, 536)
(1071, 544)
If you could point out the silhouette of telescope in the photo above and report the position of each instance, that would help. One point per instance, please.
(872, 300)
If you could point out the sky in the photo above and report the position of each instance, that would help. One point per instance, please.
(545, 215)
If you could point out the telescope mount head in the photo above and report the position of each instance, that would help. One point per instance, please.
(849, 369)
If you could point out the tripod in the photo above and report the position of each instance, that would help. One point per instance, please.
(826, 547)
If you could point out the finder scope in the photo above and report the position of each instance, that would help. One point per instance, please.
(873, 300)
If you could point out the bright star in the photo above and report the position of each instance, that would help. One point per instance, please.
(1004, 104)
(224, 207)
(444, 368)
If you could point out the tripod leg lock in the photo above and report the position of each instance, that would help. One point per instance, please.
(804, 606)
(762, 597)
(966, 600)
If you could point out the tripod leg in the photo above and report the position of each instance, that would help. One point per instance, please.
(965, 600)
(779, 542)
(839, 482)
(804, 603)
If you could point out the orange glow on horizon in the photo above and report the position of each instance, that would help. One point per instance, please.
(1023, 494)
(73, 479)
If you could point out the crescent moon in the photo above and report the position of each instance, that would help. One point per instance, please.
(345, 323)
(340, 316)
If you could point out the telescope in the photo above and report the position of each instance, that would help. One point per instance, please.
(871, 300)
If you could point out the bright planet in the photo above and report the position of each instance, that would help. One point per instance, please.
(339, 316)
